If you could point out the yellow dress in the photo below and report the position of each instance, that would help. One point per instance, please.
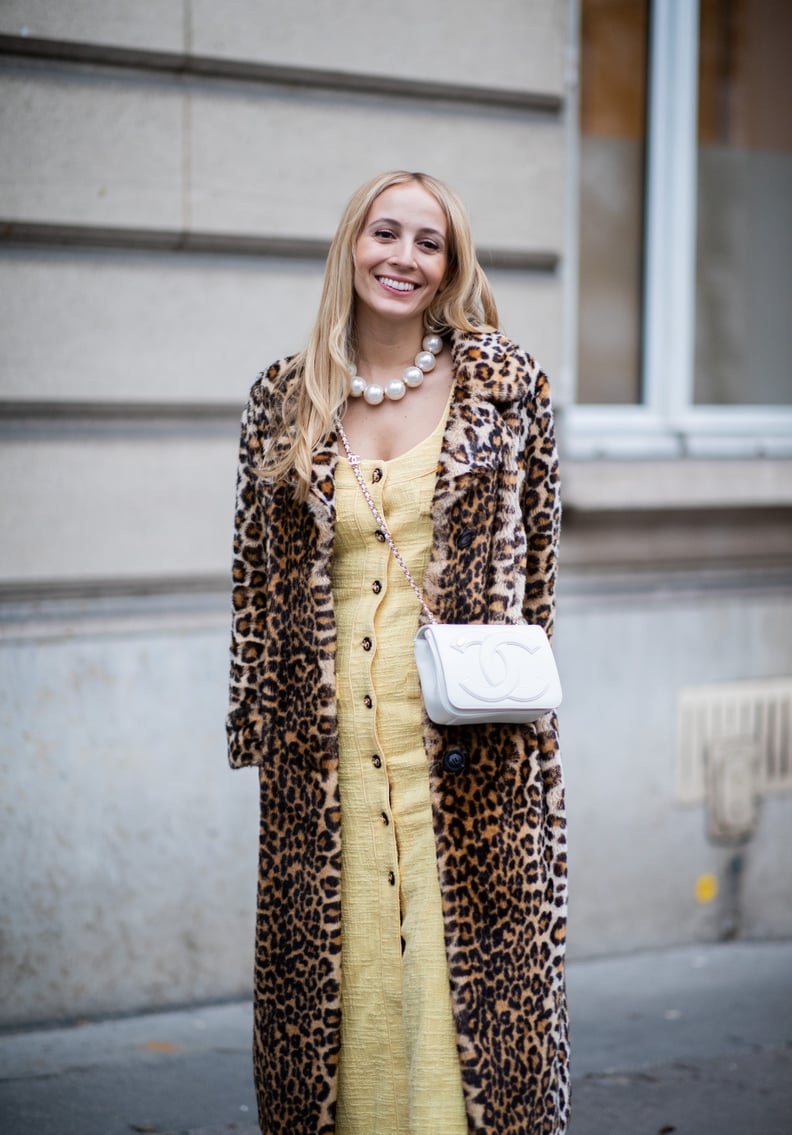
(399, 1072)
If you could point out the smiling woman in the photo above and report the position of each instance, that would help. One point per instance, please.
(412, 876)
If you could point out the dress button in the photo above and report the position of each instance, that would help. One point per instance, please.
(385, 819)
(455, 761)
(376, 760)
(367, 702)
(391, 878)
(376, 475)
(366, 644)
(380, 536)
(376, 587)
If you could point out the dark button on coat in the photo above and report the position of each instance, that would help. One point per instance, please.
(455, 761)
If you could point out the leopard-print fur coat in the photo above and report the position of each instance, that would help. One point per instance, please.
(497, 791)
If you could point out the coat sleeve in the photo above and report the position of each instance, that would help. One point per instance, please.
(540, 502)
(245, 724)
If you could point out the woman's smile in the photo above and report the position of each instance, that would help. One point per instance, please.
(397, 285)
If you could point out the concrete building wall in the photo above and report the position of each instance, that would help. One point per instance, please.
(128, 848)
(172, 174)
(644, 871)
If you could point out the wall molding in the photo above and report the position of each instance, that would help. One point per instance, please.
(214, 67)
(699, 539)
(55, 610)
(11, 410)
(108, 421)
(94, 590)
(36, 233)
(65, 609)
(590, 589)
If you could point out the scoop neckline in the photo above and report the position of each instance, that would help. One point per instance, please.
(410, 453)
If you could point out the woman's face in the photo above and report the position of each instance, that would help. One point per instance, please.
(401, 254)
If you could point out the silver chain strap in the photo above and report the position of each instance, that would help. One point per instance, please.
(354, 461)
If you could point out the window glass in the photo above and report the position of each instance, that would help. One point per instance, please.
(613, 89)
(744, 237)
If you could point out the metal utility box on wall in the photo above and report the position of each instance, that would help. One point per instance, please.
(717, 725)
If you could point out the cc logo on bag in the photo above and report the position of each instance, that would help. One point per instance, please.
(501, 667)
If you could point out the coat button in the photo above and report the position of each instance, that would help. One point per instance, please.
(455, 761)
(366, 643)
(367, 702)
(376, 587)
(391, 878)
(380, 536)
(376, 760)
(385, 819)
(376, 475)
(465, 538)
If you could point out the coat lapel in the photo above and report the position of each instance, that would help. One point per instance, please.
(478, 442)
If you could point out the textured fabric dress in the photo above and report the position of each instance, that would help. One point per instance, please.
(399, 1069)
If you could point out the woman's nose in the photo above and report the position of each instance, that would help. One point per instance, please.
(402, 252)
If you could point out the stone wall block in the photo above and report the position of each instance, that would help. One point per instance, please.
(147, 327)
(86, 148)
(129, 848)
(512, 44)
(164, 328)
(88, 508)
(507, 166)
(145, 24)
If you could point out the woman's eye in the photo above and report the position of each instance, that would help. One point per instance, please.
(430, 245)
(384, 234)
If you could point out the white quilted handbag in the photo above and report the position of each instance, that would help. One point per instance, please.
(473, 673)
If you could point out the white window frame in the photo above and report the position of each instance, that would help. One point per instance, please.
(667, 423)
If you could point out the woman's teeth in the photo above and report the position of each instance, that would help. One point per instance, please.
(399, 285)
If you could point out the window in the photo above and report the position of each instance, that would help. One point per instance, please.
(685, 242)
(743, 345)
(613, 88)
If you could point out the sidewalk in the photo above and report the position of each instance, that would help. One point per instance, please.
(694, 1041)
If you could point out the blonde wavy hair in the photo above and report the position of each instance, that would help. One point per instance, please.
(464, 302)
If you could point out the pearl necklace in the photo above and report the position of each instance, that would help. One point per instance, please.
(413, 376)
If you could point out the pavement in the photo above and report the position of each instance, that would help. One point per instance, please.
(691, 1041)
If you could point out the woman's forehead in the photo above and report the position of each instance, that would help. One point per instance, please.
(409, 202)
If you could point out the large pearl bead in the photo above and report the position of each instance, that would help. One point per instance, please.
(432, 343)
(357, 386)
(413, 376)
(373, 394)
(425, 360)
(395, 389)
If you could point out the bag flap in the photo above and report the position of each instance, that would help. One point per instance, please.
(490, 665)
